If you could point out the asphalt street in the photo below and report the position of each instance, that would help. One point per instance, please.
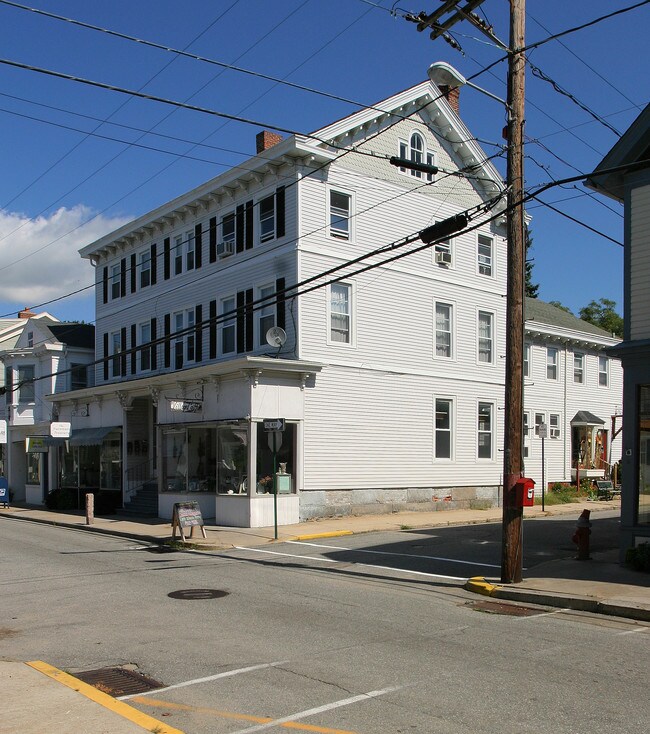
(367, 633)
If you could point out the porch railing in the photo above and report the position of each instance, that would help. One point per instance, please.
(137, 476)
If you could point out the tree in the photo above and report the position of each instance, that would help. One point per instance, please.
(531, 288)
(557, 304)
(602, 313)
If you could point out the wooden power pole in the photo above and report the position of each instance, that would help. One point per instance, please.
(512, 535)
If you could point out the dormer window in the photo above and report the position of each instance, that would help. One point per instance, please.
(416, 151)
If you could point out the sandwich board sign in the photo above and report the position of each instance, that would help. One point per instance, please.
(187, 515)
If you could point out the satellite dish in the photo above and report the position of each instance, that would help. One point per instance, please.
(276, 336)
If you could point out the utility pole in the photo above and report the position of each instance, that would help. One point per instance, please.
(512, 527)
(512, 524)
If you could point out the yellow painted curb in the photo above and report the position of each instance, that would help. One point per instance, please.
(333, 534)
(118, 707)
(479, 585)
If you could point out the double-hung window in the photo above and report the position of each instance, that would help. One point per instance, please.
(578, 368)
(145, 268)
(26, 389)
(526, 441)
(540, 419)
(340, 205)
(484, 255)
(266, 314)
(415, 151)
(603, 371)
(228, 325)
(116, 348)
(145, 352)
(485, 430)
(551, 363)
(78, 376)
(442, 253)
(227, 245)
(185, 340)
(116, 282)
(526, 360)
(178, 254)
(444, 326)
(443, 428)
(485, 337)
(554, 425)
(189, 251)
(341, 313)
(267, 218)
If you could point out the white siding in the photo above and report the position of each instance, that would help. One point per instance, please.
(639, 318)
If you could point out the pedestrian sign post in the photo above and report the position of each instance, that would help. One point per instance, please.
(274, 427)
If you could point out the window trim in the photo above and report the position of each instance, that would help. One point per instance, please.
(270, 235)
(31, 382)
(491, 264)
(556, 364)
(266, 310)
(145, 258)
(452, 330)
(583, 364)
(452, 428)
(229, 323)
(526, 434)
(528, 362)
(333, 233)
(605, 372)
(351, 344)
(445, 246)
(491, 432)
(144, 351)
(115, 345)
(492, 337)
(116, 281)
(536, 424)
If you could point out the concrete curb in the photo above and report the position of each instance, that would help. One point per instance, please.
(478, 585)
(103, 699)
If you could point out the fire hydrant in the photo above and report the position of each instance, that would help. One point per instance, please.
(581, 535)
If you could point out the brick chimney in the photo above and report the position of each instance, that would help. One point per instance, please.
(266, 139)
(26, 313)
(452, 95)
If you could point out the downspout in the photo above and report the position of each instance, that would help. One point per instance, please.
(565, 431)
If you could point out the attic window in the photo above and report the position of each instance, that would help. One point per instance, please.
(30, 338)
(416, 150)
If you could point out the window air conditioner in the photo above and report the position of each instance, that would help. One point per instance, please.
(443, 257)
(555, 433)
(224, 248)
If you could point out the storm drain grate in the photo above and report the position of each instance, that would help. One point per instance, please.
(497, 607)
(119, 681)
(198, 594)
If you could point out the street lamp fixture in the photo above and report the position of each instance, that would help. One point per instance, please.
(445, 75)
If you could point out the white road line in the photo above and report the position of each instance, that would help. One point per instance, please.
(537, 616)
(318, 710)
(207, 679)
(289, 555)
(366, 565)
(389, 553)
(634, 631)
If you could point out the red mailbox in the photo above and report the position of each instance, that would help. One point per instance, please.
(524, 492)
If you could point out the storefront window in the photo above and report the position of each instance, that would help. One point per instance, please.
(33, 467)
(92, 467)
(644, 456)
(111, 462)
(285, 460)
(189, 459)
(232, 468)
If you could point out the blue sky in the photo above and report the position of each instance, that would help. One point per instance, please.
(63, 188)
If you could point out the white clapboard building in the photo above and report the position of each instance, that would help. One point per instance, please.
(283, 289)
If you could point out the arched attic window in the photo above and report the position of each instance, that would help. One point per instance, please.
(416, 150)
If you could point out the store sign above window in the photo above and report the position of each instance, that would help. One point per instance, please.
(186, 406)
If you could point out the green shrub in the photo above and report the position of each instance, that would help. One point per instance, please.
(639, 557)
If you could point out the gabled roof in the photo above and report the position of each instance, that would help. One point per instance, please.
(545, 313)
(634, 145)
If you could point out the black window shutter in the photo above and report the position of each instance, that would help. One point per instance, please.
(154, 348)
(123, 277)
(166, 257)
(106, 359)
(212, 330)
(166, 347)
(198, 330)
(133, 273)
(105, 284)
(154, 264)
(198, 245)
(239, 228)
(280, 318)
(279, 212)
(240, 322)
(249, 320)
(249, 225)
(213, 239)
(134, 353)
(123, 350)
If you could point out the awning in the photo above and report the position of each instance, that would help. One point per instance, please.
(91, 436)
(585, 418)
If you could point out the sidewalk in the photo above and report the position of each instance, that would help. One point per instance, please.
(599, 585)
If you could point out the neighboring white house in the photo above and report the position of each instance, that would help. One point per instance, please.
(46, 356)
(624, 175)
(390, 380)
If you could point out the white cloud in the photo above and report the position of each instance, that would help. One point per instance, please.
(39, 258)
